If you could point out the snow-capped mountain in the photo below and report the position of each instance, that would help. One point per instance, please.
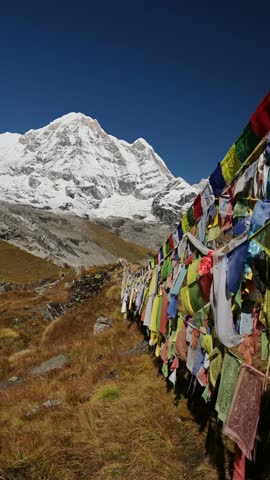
(171, 203)
(73, 165)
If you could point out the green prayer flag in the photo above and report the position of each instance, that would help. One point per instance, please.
(190, 216)
(262, 237)
(265, 345)
(229, 375)
(165, 370)
(246, 143)
(196, 299)
(166, 268)
(240, 208)
(206, 394)
(201, 315)
(238, 298)
(216, 360)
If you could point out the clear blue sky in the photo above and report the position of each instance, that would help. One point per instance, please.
(184, 75)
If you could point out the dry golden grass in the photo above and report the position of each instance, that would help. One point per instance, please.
(103, 429)
(8, 333)
(18, 266)
(106, 428)
(18, 357)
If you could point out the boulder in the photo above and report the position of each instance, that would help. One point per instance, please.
(101, 324)
(47, 404)
(55, 363)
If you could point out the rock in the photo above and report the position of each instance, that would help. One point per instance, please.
(53, 311)
(33, 182)
(47, 404)
(122, 261)
(98, 358)
(32, 412)
(7, 287)
(101, 324)
(55, 363)
(182, 419)
(150, 235)
(11, 382)
(44, 288)
(112, 375)
(85, 287)
(142, 347)
(51, 403)
(16, 321)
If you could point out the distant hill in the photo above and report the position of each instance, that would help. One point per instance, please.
(70, 239)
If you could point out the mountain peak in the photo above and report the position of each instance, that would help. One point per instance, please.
(70, 119)
(73, 165)
(143, 142)
(71, 116)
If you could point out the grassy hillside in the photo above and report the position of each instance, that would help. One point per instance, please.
(115, 419)
(116, 245)
(18, 266)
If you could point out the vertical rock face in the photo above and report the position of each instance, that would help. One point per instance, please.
(73, 165)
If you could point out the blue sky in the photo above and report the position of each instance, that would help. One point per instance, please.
(186, 76)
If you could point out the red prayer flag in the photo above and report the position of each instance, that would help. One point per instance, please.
(260, 119)
(197, 208)
(242, 420)
(239, 467)
(171, 242)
